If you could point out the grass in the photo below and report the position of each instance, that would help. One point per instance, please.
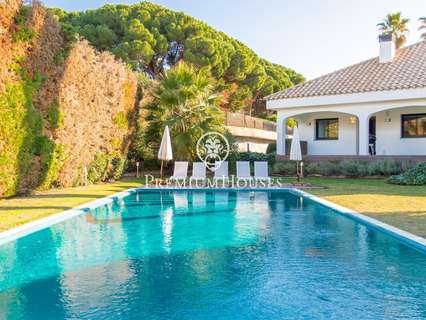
(400, 206)
(19, 210)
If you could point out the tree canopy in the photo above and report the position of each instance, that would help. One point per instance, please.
(184, 99)
(395, 24)
(152, 38)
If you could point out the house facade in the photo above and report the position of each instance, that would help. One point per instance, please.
(376, 108)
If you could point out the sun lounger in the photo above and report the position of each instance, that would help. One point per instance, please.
(198, 171)
(243, 171)
(180, 171)
(261, 171)
(221, 172)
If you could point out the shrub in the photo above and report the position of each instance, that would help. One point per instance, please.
(284, 168)
(54, 115)
(312, 168)
(353, 169)
(106, 167)
(118, 163)
(328, 168)
(271, 148)
(98, 167)
(120, 120)
(52, 163)
(388, 167)
(413, 176)
(41, 145)
(22, 16)
(24, 34)
(21, 126)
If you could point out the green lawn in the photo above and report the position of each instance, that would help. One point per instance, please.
(19, 210)
(401, 206)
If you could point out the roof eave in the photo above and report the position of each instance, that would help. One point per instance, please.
(353, 98)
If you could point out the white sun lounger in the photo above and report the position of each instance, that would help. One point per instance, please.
(243, 170)
(180, 171)
(221, 172)
(199, 200)
(261, 171)
(198, 171)
(180, 200)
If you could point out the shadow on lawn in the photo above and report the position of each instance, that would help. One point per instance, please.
(11, 208)
(411, 223)
(57, 195)
(348, 186)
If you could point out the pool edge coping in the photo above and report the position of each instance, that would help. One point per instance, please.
(36, 225)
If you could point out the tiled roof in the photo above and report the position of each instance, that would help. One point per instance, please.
(406, 71)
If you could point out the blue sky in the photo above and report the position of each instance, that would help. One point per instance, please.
(313, 37)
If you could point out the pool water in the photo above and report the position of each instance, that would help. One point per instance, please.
(211, 255)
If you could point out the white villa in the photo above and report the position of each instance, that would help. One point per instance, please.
(376, 108)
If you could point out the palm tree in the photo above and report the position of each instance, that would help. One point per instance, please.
(185, 101)
(397, 26)
(423, 27)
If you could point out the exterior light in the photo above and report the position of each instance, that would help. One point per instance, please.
(137, 169)
(352, 120)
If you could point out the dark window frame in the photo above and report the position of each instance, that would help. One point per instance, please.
(326, 119)
(403, 116)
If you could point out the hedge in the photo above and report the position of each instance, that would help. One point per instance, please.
(413, 176)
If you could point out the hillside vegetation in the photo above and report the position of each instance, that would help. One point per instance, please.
(152, 38)
(61, 107)
(78, 90)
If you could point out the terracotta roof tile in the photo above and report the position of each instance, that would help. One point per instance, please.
(406, 71)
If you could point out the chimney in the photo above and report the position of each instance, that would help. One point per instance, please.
(387, 47)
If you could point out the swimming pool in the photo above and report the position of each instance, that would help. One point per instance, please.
(211, 255)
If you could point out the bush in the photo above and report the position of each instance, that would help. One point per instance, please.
(24, 34)
(348, 168)
(118, 163)
(120, 120)
(353, 169)
(328, 168)
(284, 168)
(106, 167)
(388, 167)
(98, 167)
(312, 168)
(21, 130)
(52, 163)
(413, 176)
(42, 145)
(271, 148)
(54, 115)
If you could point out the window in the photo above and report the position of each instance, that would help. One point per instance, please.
(413, 125)
(327, 129)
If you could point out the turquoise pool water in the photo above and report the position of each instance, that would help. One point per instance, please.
(211, 255)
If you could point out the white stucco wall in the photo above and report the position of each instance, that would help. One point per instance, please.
(388, 133)
(389, 141)
(345, 145)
